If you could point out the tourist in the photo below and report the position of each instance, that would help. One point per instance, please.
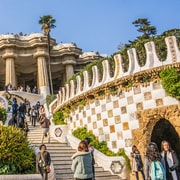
(14, 110)
(91, 150)
(28, 89)
(37, 106)
(41, 111)
(137, 164)
(82, 163)
(34, 90)
(170, 161)
(45, 124)
(33, 116)
(43, 161)
(153, 165)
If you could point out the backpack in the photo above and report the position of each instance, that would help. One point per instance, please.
(157, 171)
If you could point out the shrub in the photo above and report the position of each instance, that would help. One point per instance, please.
(16, 156)
(3, 115)
(58, 118)
(82, 133)
(171, 81)
(49, 99)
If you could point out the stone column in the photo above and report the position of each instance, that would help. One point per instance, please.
(10, 57)
(43, 83)
(69, 62)
(69, 71)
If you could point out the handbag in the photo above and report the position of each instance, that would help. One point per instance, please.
(48, 169)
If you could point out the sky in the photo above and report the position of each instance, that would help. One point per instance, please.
(94, 25)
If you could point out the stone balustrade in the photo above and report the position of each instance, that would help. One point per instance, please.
(152, 62)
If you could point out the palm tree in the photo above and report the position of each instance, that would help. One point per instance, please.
(47, 23)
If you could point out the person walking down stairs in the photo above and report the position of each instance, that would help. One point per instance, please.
(43, 161)
(45, 124)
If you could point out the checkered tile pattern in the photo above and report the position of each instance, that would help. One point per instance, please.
(112, 119)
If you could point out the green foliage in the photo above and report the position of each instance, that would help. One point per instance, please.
(144, 26)
(16, 156)
(50, 98)
(82, 133)
(3, 115)
(138, 44)
(171, 81)
(58, 118)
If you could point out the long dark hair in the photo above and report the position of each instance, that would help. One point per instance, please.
(135, 149)
(152, 152)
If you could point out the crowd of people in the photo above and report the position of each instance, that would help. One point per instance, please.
(158, 165)
(23, 112)
(26, 88)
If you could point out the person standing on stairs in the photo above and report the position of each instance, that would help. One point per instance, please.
(33, 116)
(43, 161)
(91, 150)
(82, 163)
(45, 124)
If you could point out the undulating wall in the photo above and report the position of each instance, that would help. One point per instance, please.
(113, 118)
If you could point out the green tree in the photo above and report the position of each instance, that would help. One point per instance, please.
(48, 23)
(144, 26)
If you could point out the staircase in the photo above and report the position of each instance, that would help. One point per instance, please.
(61, 156)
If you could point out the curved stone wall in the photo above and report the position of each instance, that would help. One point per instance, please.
(113, 118)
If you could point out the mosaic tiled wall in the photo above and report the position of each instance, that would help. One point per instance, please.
(112, 119)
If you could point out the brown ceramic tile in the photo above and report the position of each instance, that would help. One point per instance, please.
(89, 119)
(130, 100)
(87, 106)
(94, 125)
(112, 129)
(84, 113)
(74, 124)
(107, 138)
(98, 116)
(97, 103)
(81, 122)
(115, 104)
(147, 96)
(119, 135)
(117, 119)
(159, 102)
(137, 90)
(114, 144)
(121, 95)
(105, 122)
(125, 126)
(128, 142)
(139, 106)
(103, 107)
(77, 116)
(108, 99)
(110, 113)
(100, 131)
(156, 85)
(123, 110)
(93, 111)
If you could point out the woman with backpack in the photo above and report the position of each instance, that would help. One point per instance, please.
(137, 164)
(170, 161)
(154, 169)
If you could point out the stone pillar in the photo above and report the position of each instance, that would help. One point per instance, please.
(43, 83)
(69, 71)
(10, 57)
(69, 62)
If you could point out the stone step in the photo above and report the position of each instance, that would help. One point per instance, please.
(61, 154)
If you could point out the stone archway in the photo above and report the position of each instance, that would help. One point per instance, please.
(148, 119)
(164, 130)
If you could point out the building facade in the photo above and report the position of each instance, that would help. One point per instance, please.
(24, 61)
